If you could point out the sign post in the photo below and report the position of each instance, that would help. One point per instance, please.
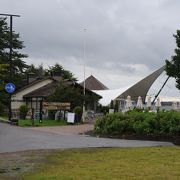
(10, 88)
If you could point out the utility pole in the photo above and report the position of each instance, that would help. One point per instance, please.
(10, 54)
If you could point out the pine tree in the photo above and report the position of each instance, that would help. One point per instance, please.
(67, 93)
(173, 66)
(17, 64)
(58, 70)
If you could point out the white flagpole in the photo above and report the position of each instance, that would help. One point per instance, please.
(84, 91)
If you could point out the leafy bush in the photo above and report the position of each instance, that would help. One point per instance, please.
(23, 109)
(51, 114)
(78, 113)
(139, 123)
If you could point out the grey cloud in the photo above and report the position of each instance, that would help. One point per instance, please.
(119, 33)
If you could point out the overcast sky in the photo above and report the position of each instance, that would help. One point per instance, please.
(125, 39)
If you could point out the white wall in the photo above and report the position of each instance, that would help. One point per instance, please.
(19, 95)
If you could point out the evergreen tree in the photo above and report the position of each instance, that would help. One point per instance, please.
(17, 64)
(55, 70)
(72, 93)
(173, 66)
(58, 70)
(3, 72)
(67, 93)
(38, 71)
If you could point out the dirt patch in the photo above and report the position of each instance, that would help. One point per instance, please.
(13, 164)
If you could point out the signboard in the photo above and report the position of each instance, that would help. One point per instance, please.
(70, 117)
(111, 111)
(10, 88)
(55, 105)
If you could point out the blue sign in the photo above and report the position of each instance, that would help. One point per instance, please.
(10, 87)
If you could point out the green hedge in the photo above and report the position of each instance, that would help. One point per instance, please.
(139, 123)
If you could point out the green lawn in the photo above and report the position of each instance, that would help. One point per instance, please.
(24, 123)
(27, 122)
(108, 163)
(4, 118)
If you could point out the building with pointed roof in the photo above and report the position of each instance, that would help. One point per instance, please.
(92, 83)
(37, 91)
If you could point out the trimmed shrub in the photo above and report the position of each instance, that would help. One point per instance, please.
(139, 123)
(51, 114)
(23, 109)
(78, 113)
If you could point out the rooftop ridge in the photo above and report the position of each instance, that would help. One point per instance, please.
(93, 83)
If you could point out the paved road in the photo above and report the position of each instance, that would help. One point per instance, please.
(66, 130)
(14, 138)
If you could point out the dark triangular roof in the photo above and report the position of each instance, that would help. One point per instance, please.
(92, 83)
(38, 80)
(43, 91)
(48, 89)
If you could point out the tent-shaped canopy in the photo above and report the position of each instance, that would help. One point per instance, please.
(141, 88)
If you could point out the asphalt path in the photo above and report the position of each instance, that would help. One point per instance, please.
(14, 138)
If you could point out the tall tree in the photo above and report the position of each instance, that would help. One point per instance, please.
(72, 93)
(3, 72)
(37, 71)
(58, 70)
(173, 66)
(17, 64)
(67, 93)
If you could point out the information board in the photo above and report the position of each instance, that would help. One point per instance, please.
(70, 117)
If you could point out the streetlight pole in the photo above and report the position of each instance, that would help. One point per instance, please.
(84, 89)
(10, 53)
